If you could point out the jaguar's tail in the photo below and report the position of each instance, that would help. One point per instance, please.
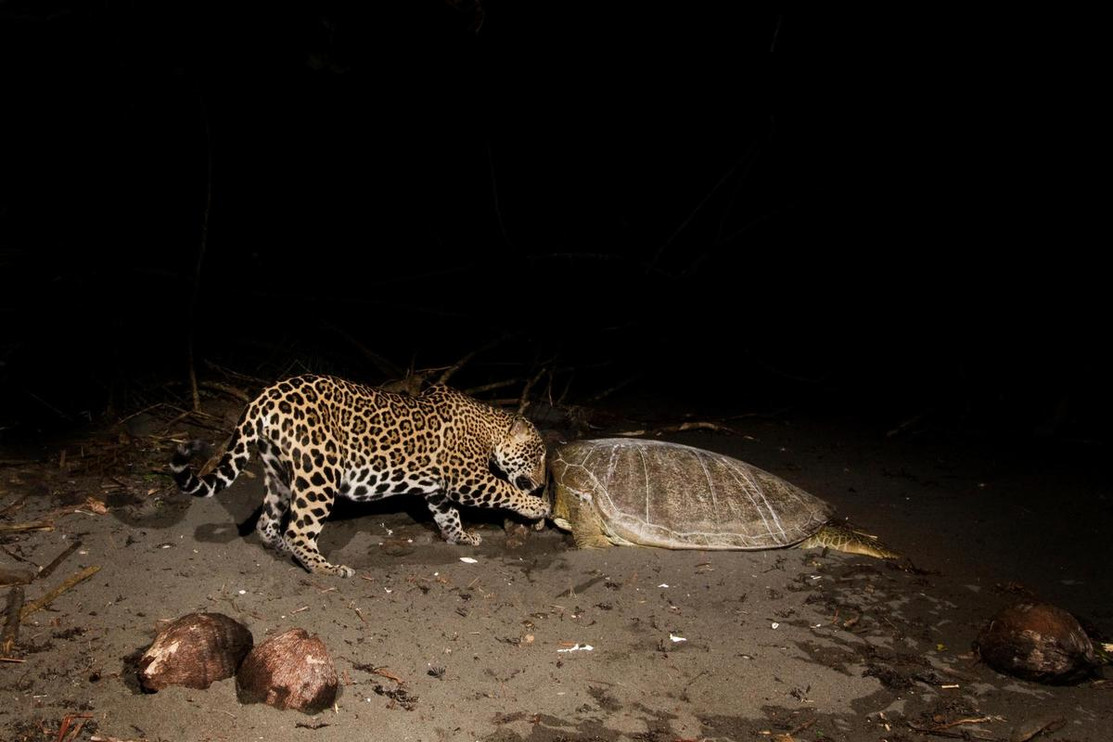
(231, 463)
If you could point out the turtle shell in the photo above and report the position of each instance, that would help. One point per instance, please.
(656, 493)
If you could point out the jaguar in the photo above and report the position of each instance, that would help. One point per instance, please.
(322, 437)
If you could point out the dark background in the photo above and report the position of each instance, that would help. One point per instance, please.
(884, 215)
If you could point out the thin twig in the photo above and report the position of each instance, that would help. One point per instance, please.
(11, 624)
(11, 507)
(385, 365)
(473, 391)
(680, 428)
(228, 389)
(943, 730)
(611, 390)
(451, 370)
(34, 525)
(49, 569)
(47, 599)
(523, 402)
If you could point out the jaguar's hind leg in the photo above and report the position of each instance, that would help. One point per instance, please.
(277, 501)
(447, 518)
(310, 505)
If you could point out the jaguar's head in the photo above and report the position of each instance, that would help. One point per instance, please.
(520, 455)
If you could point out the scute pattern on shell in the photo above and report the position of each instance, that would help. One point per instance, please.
(656, 493)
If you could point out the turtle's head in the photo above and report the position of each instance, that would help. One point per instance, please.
(560, 507)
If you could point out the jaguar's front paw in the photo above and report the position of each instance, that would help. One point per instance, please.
(337, 570)
(466, 538)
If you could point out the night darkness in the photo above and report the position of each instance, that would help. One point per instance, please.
(751, 210)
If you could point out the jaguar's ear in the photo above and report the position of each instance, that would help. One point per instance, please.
(521, 430)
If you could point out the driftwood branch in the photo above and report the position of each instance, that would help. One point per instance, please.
(492, 386)
(611, 390)
(49, 569)
(11, 625)
(34, 525)
(250, 380)
(680, 428)
(449, 372)
(385, 365)
(47, 599)
(943, 730)
(524, 401)
(13, 506)
(231, 391)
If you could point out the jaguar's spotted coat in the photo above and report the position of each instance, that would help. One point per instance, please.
(320, 437)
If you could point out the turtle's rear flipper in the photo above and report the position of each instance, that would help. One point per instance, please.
(846, 539)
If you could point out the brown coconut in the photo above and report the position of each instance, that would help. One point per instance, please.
(195, 651)
(1037, 641)
(291, 670)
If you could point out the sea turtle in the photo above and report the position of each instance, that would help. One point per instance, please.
(637, 492)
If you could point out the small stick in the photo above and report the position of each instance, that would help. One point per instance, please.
(228, 389)
(48, 569)
(681, 428)
(14, 505)
(475, 390)
(383, 672)
(47, 599)
(68, 726)
(523, 401)
(34, 525)
(448, 372)
(11, 624)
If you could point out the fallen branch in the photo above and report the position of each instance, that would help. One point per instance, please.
(680, 428)
(11, 625)
(47, 599)
(974, 720)
(1030, 729)
(228, 389)
(251, 380)
(69, 731)
(35, 525)
(523, 401)
(389, 675)
(49, 569)
(611, 390)
(942, 730)
(476, 390)
(448, 372)
(14, 505)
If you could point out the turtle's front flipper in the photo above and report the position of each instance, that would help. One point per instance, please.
(843, 538)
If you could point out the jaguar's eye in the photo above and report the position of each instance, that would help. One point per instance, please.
(524, 483)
